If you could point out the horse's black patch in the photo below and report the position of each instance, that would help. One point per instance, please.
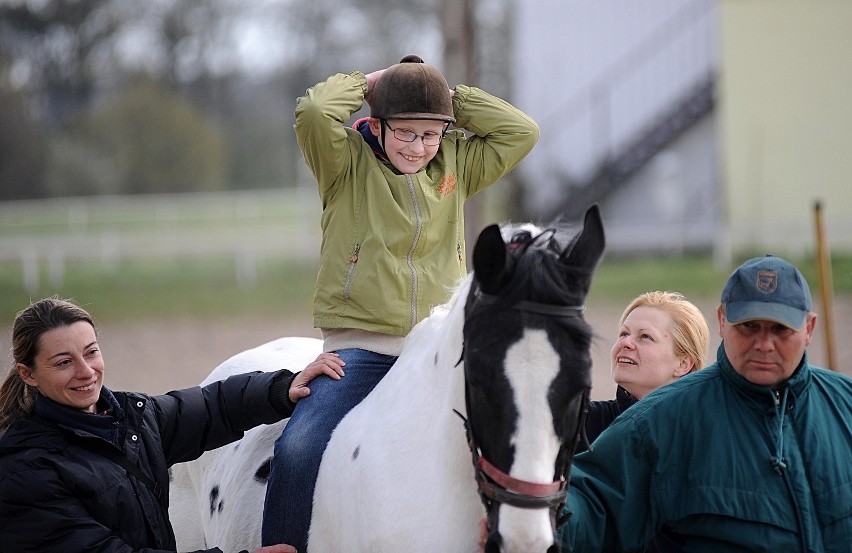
(262, 472)
(356, 452)
(215, 503)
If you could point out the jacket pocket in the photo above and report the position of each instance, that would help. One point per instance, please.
(715, 516)
(835, 512)
(350, 273)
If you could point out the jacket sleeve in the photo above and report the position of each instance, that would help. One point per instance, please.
(609, 493)
(320, 117)
(501, 136)
(195, 420)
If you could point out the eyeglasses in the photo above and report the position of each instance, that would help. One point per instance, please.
(428, 138)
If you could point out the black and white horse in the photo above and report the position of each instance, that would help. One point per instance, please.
(479, 417)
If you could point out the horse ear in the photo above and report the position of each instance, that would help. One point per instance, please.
(489, 258)
(587, 248)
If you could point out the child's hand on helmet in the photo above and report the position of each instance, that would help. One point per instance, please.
(371, 82)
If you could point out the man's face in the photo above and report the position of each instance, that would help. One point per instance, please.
(765, 352)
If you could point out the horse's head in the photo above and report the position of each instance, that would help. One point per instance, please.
(528, 374)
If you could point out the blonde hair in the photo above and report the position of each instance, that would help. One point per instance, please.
(16, 397)
(689, 327)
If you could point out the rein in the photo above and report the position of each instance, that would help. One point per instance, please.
(497, 487)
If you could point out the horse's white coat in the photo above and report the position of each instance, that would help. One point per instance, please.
(238, 506)
(397, 474)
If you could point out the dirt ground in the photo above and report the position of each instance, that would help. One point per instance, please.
(159, 355)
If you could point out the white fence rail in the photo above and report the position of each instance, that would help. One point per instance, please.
(249, 226)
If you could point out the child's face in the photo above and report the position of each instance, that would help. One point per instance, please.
(409, 157)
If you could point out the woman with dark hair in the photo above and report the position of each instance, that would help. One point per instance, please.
(83, 468)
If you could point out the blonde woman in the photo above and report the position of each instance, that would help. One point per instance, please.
(661, 338)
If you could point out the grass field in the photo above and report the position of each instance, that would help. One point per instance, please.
(179, 283)
(210, 287)
(245, 253)
(167, 322)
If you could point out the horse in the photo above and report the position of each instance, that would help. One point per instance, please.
(478, 418)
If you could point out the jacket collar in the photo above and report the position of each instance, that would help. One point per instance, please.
(362, 125)
(624, 399)
(107, 424)
(796, 384)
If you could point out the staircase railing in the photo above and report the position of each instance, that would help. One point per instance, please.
(635, 107)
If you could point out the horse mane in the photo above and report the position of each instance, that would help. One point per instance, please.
(537, 271)
(442, 329)
(540, 273)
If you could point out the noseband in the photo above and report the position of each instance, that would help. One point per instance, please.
(497, 487)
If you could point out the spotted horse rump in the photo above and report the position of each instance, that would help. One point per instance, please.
(217, 500)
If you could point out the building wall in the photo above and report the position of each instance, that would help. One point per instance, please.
(671, 205)
(785, 110)
(594, 74)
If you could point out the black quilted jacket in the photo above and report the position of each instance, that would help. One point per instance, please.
(60, 491)
(602, 413)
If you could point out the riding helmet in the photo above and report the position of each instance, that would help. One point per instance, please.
(412, 89)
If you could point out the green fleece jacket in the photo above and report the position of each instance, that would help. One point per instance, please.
(718, 464)
(393, 245)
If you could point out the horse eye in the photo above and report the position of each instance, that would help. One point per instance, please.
(522, 237)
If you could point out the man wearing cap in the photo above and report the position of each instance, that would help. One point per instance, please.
(753, 453)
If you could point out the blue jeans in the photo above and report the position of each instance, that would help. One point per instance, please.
(298, 451)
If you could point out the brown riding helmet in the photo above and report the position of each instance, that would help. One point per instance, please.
(412, 89)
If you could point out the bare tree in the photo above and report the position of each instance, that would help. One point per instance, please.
(53, 43)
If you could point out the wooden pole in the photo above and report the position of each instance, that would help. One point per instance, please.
(459, 28)
(826, 285)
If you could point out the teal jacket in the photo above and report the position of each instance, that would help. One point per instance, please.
(393, 245)
(720, 464)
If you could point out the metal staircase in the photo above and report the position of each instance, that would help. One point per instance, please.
(655, 85)
(617, 169)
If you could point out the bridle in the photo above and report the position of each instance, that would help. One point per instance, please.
(497, 487)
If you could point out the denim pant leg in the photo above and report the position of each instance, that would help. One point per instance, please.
(299, 449)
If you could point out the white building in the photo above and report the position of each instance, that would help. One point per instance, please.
(696, 124)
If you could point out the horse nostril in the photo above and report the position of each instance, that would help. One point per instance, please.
(554, 548)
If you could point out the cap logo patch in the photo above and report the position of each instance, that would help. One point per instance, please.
(767, 281)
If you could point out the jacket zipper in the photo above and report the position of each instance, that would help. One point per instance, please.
(409, 257)
(353, 259)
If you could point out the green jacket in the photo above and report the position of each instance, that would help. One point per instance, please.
(699, 459)
(393, 245)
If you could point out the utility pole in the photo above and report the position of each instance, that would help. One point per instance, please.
(457, 22)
